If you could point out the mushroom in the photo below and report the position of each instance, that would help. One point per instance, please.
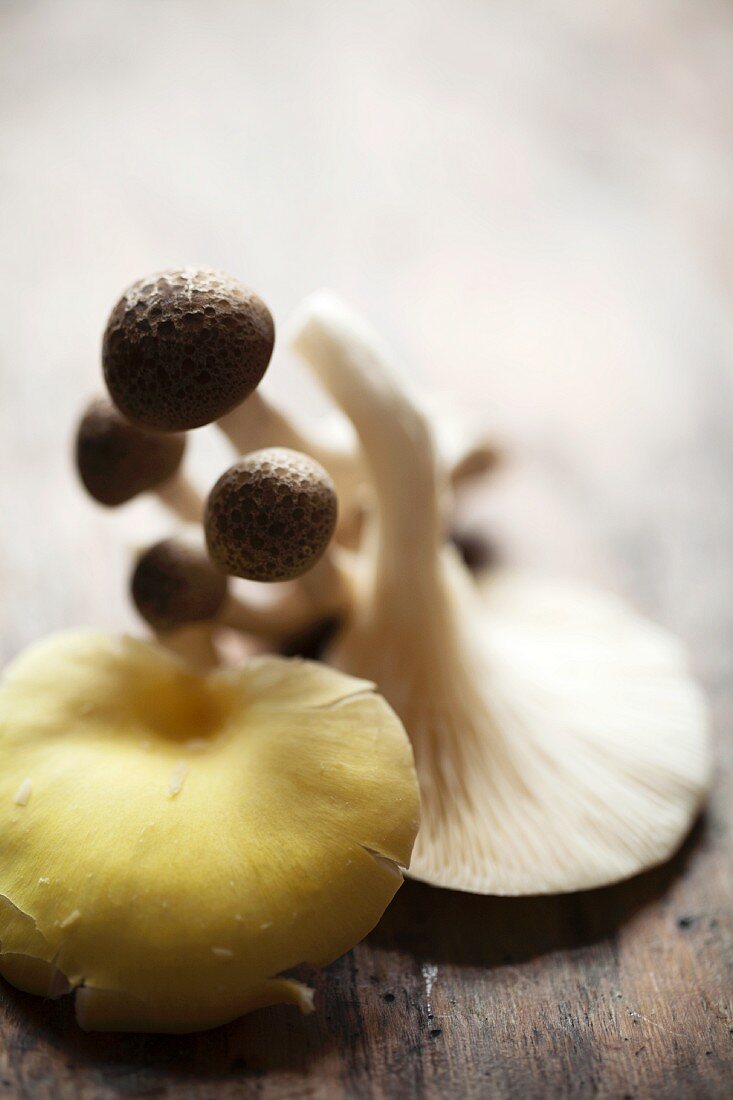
(182, 348)
(270, 516)
(187, 347)
(175, 589)
(171, 843)
(117, 461)
(560, 741)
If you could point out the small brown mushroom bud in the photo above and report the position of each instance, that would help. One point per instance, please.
(271, 516)
(182, 348)
(174, 584)
(117, 461)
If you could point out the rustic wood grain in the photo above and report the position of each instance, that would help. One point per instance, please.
(534, 201)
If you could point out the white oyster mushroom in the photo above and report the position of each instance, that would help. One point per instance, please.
(560, 741)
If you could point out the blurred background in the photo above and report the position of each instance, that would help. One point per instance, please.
(531, 199)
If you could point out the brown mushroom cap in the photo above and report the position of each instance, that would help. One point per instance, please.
(117, 460)
(270, 516)
(174, 583)
(182, 348)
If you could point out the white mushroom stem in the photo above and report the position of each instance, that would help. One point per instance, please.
(325, 591)
(328, 587)
(181, 498)
(274, 620)
(396, 439)
(195, 643)
(559, 740)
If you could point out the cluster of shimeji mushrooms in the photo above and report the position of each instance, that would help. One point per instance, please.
(558, 739)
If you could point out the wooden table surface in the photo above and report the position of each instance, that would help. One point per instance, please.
(534, 202)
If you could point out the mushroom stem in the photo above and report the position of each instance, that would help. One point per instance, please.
(275, 620)
(193, 643)
(256, 423)
(329, 585)
(182, 498)
(396, 439)
(324, 592)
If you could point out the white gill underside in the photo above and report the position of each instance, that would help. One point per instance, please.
(559, 739)
(564, 748)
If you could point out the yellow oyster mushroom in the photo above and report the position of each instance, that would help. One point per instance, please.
(171, 842)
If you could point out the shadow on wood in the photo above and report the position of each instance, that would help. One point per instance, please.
(446, 926)
(271, 1039)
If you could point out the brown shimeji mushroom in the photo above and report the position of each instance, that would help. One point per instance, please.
(560, 740)
(175, 588)
(182, 348)
(174, 584)
(172, 843)
(271, 516)
(118, 461)
(188, 347)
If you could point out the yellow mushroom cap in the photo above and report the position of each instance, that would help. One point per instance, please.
(172, 842)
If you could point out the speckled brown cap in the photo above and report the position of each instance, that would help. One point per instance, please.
(270, 516)
(117, 460)
(174, 583)
(182, 348)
